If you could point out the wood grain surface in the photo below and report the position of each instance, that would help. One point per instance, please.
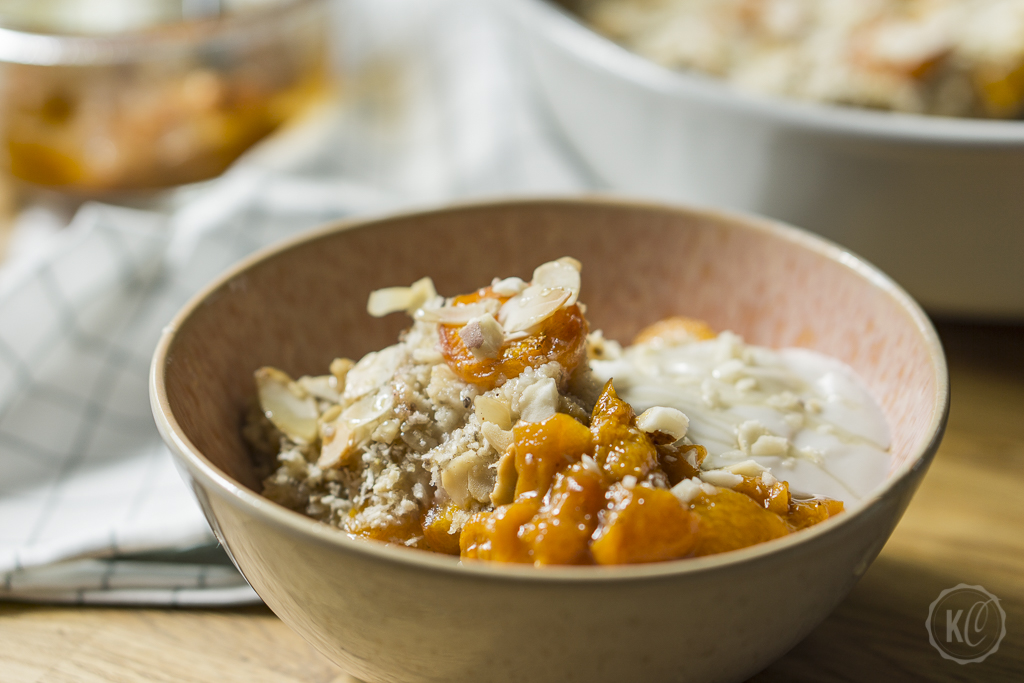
(966, 525)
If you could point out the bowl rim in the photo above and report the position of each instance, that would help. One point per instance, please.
(248, 30)
(213, 477)
(567, 31)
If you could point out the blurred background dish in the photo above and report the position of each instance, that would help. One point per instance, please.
(941, 57)
(100, 98)
(934, 201)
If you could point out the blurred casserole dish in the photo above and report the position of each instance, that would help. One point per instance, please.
(934, 201)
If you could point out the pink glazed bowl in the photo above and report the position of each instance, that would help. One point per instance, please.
(387, 613)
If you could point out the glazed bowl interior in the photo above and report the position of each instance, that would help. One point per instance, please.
(304, 304)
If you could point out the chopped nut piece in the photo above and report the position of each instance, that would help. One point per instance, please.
(539, 401)
(770, 445)
(663, 421)
(723, 478)
(499, 439)
(747, 468)
(749, 432)
(483, 336)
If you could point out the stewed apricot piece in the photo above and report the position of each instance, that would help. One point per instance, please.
(644, 524)
(621, 449)
(495, 535)
(542, 448)
(680, 462)
(562, 338)
(676, 328)
(808, 512)
(730, 520)
(437, 533)
(561, 531)
(399, 531)
(774, 497)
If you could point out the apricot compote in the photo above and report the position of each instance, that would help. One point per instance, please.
(600, 495)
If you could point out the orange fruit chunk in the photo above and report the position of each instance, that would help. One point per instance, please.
(542, 448)
(621, 449)
(644, 525)
(561, 338)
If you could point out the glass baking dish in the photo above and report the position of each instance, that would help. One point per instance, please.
(133, 105)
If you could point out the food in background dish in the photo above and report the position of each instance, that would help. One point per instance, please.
(161, 107)
(945, 57)
(491, 431)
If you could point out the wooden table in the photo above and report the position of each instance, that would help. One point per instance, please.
(966, 525)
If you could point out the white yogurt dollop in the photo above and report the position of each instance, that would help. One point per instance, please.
(804, 415)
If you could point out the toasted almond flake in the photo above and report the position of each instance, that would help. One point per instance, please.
(483, 336)
(505, 480)
(323, 387)
(723, 478)
(339, 449)
(463, 476)
(490, 409)
(339, 368)
(534, 305)
(498, 438)
(660, 419)
(458, 315)
(510, 286)
(394, 299)
(330, 416)
(570, 261)
(560, 274)
(368, 409)
(287, 405)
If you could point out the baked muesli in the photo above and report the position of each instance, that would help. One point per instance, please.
(485, 432)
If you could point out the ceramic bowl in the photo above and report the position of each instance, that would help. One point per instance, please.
(935, 202)
(388, 613)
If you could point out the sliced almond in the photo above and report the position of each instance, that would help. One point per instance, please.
(499, 439)
(505, 480)
(394, 299)
(562, 274)
(324, 387)
(287, 405)
(534, 305)
(458, 315)
(490, 409)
